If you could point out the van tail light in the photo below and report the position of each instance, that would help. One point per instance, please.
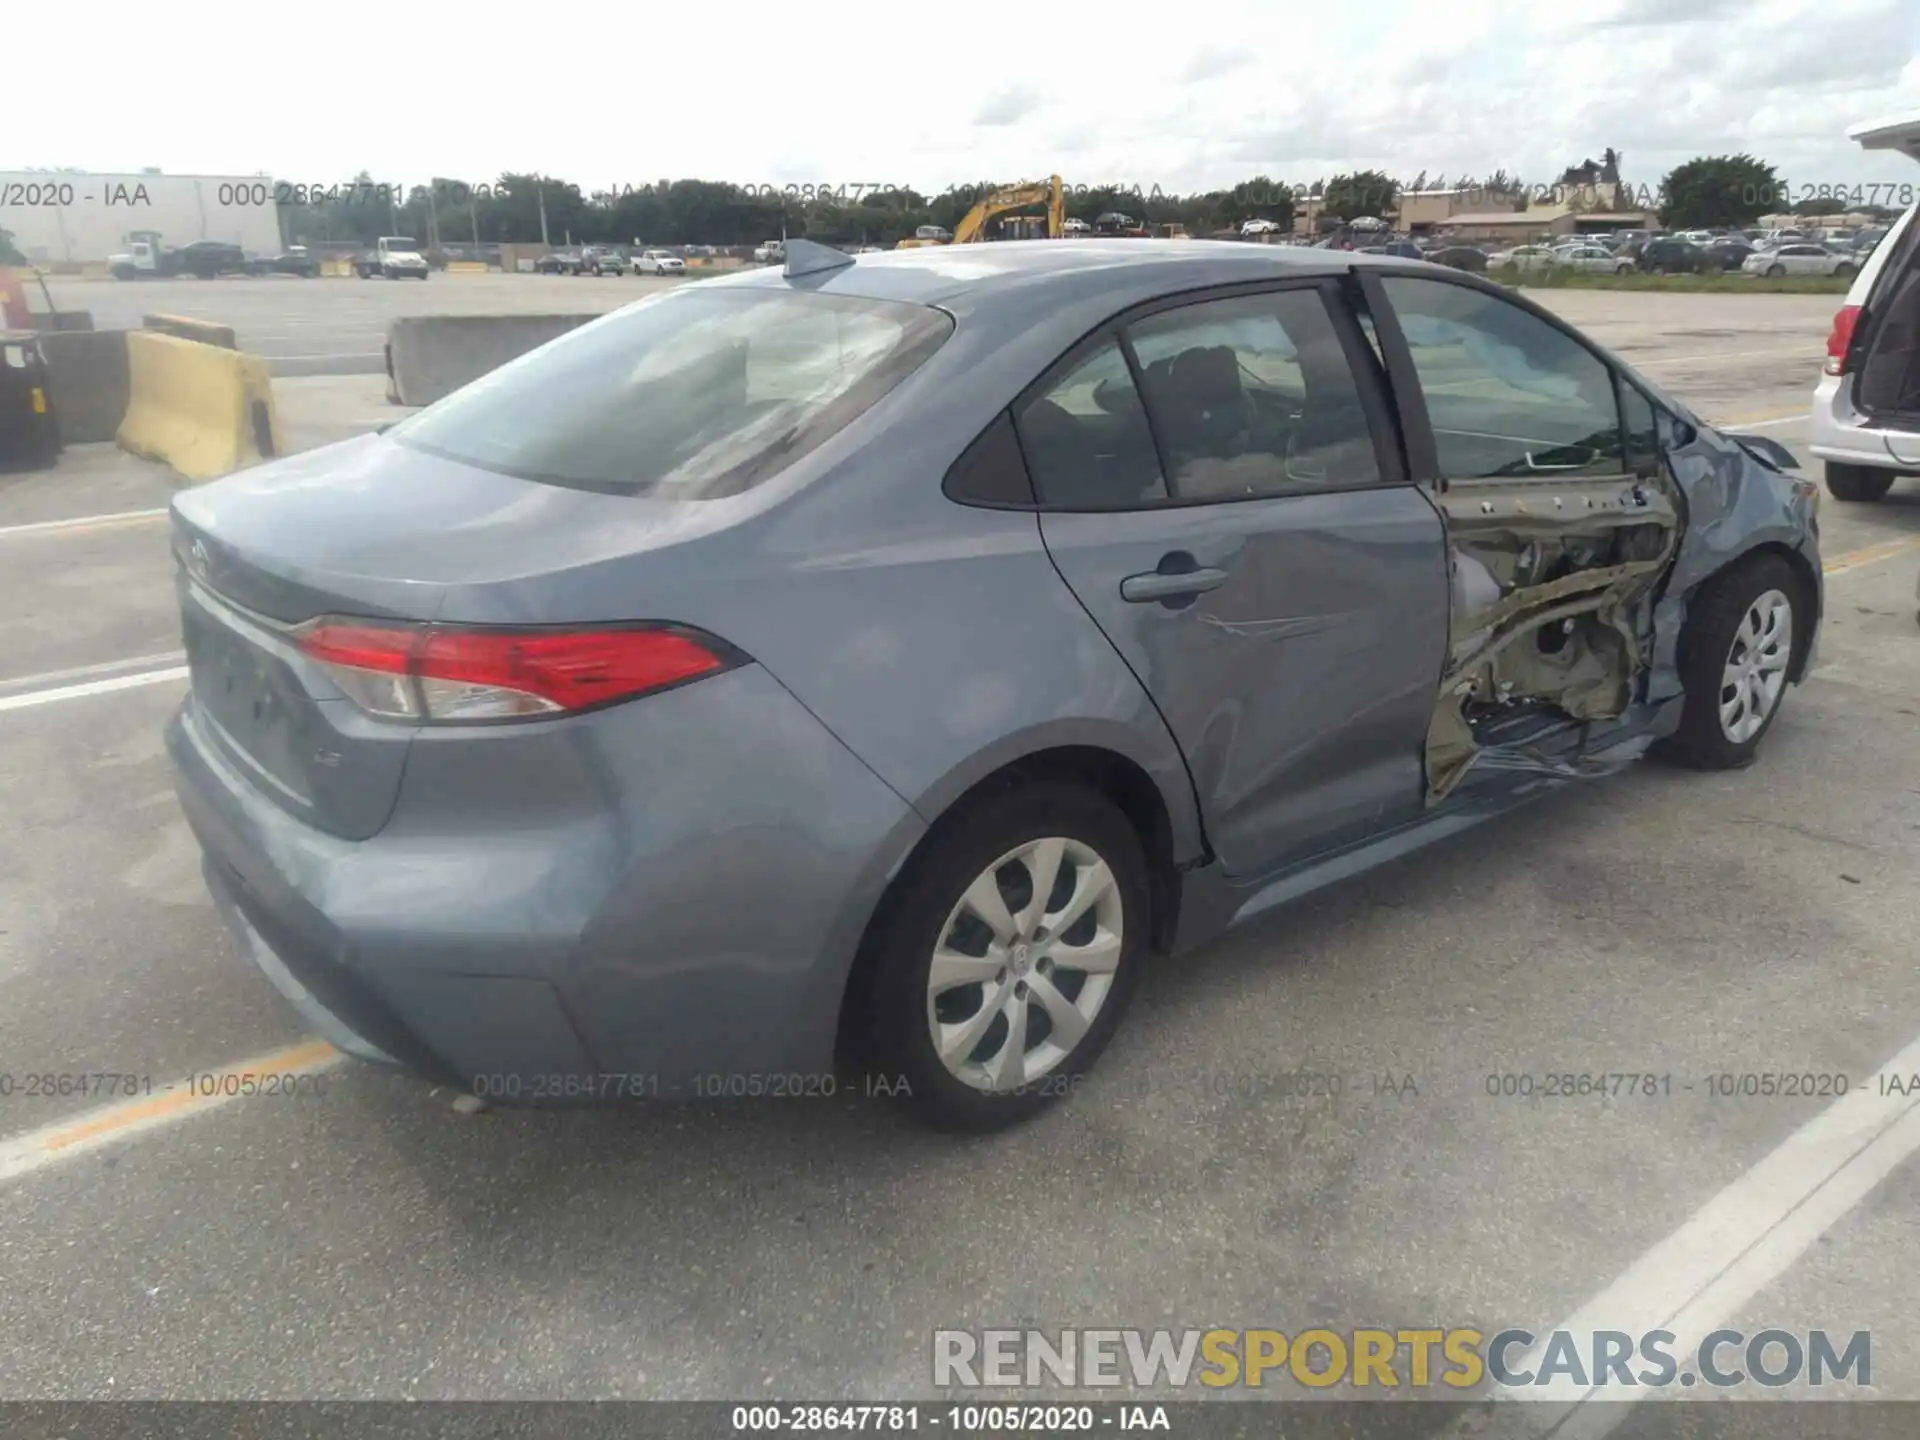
(457, 674)
(1840, 339)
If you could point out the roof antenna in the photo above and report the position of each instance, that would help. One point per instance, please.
(808, 257)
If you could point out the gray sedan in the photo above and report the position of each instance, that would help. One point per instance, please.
(864, 667)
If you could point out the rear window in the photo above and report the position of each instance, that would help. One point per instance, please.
(694, 394)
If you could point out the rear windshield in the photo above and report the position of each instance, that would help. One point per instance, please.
(693, 394)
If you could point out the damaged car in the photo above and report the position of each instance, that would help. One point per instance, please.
(867, 665)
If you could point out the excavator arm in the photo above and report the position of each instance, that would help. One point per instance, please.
(1049, 192)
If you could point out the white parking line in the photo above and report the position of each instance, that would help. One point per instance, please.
(1737, 426)
(1721, 357)
(81, 522)
(82, 672)
(91, 687)
(1734, 1246)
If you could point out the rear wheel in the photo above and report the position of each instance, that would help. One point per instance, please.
(1005, 962)
(1858, 484)
(1735, 654)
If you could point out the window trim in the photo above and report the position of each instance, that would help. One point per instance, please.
(1361, 364)
(1414, 418)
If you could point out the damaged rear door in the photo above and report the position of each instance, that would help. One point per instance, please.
(1558, 532)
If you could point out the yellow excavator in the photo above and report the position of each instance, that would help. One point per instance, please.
(973, 226)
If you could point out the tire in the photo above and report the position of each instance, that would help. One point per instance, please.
(1843, 272)
(1623, 269)
(1774, 272)
(1857, 484)
(1728, 615)
(983, 844)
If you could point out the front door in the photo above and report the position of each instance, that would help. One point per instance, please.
(1222, 488)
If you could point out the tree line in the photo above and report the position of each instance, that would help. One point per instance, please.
(1725, 190)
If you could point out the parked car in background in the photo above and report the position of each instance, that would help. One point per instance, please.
(294, 260)
(603, 260)
(1729, 253)
(1404, 249)
(1866, 408)
(771, 252)
(558, 262)
(1459, 257)
(1674, 257)
(658, 262)
(1524, 257)
(771, 823)
(1593, 260)
(1804, 259)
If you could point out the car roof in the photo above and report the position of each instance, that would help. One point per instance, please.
(1004, 273)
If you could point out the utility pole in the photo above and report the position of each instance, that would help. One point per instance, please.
(540, 194)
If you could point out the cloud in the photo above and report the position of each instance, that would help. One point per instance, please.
(1672, 12)
(1008, 105)
(1210, 62)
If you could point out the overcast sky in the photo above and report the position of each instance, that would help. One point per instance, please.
(1185, 97)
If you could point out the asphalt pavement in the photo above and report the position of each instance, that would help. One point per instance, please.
(357, 1237)
(339, 326)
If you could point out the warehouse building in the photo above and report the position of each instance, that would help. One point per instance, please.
(73, 218)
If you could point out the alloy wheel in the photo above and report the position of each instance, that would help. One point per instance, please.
(1024, 962)
(1756, 668)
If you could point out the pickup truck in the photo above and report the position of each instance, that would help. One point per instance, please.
(397, 257)
(773, 252)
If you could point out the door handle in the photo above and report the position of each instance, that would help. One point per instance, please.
(1168, 585)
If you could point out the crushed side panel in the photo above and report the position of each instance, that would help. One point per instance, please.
(1550, 584)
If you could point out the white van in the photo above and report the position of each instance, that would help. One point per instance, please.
(1866, 409)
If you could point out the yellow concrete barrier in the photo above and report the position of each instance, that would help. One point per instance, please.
(337, 268)
(204, 410)
(467, 267)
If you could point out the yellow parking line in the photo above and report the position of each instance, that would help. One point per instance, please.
(178, 1100)
(1871, 555)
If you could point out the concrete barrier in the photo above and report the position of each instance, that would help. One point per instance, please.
(204, 332)
(87, 378)
(468, 267)
(431, 356)
(202, 409)
(337, 269)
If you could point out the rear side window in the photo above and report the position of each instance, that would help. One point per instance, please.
(1086, 438)
(694, 394)
(1254, 396)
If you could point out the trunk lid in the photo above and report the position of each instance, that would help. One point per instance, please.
(370, 528)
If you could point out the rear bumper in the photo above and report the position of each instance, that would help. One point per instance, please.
(613, 905)
(1838, 432)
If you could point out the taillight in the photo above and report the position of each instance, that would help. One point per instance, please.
(1840, 340)
(441, 673)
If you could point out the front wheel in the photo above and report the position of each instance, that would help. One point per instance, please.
(1735, 655)
(1857, 484)
(1006, 959)
(1774, 272)
(1843, 272)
